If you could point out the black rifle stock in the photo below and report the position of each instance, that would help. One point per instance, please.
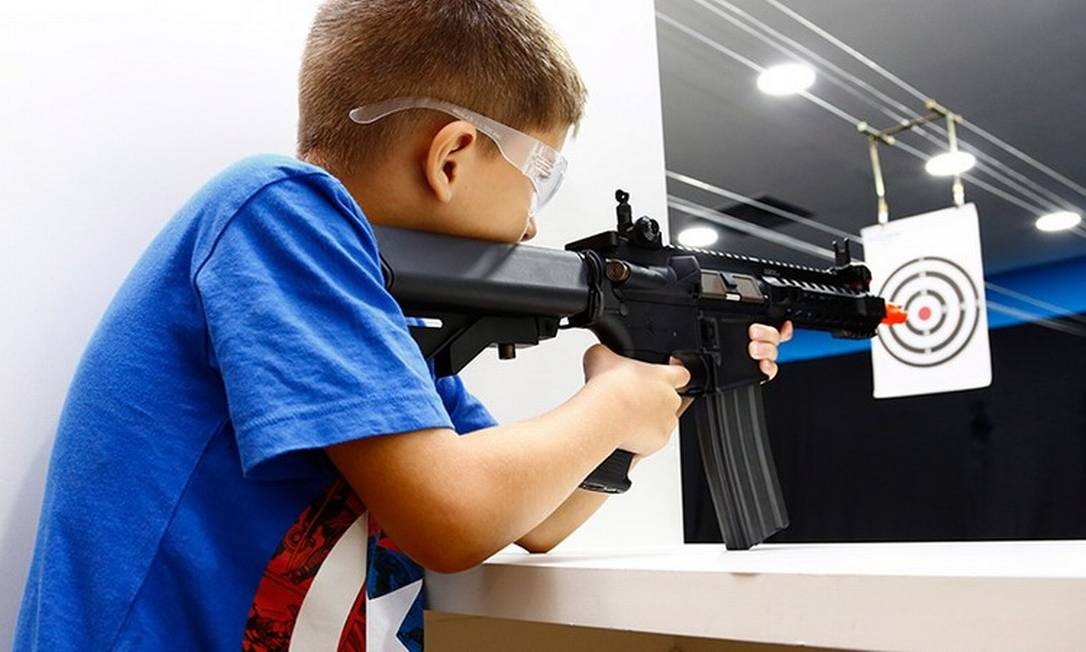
(646, 301)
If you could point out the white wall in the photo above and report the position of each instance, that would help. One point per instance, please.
(620, 145)
(113, 113)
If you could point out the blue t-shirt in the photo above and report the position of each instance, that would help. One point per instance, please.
(189, 504)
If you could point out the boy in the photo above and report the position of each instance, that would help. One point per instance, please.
(253, 452)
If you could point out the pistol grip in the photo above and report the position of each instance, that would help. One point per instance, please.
(611, 476)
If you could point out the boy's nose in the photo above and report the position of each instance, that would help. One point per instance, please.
(530, 231)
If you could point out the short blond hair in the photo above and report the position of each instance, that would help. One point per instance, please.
(496, 57)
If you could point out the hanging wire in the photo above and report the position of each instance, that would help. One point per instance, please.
(844, 115)
(1024, 157)
(912, 90)
(797, 244)
(734, 196)
(774, 38)
(1044, 305)
(839, 112)
(782, 43)
(1045, 322)
(732, 222)
(735, 56)
(705, 40)
(980, 183)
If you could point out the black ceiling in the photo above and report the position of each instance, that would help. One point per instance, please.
(1017, 69)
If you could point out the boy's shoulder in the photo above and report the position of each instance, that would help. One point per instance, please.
(250, 175)
(265, 191)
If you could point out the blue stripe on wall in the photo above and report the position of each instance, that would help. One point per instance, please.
(1062, 284)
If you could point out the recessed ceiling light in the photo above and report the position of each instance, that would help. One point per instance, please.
(1058, 221)
(786, 79)
(698, 236)
(949, 164)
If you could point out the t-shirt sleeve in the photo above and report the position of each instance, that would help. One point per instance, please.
(312, 349)
(467, 412)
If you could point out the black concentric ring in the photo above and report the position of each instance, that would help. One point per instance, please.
(968, 298)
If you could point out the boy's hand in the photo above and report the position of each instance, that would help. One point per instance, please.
(764, 341)
(646, 394)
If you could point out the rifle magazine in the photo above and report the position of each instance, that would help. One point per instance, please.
(738, 462)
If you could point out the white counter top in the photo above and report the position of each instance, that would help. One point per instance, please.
(990, 595)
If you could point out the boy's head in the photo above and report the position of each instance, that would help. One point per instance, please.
(423, 168)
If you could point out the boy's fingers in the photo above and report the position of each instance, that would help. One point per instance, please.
(763, 333)
(680, 375)
(593, 357)
(787, 331)
(768, 368)
(687, 400)
(762, 351)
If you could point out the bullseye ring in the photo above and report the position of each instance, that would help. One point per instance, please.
(943, 305)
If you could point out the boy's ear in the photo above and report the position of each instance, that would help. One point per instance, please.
(447, 157)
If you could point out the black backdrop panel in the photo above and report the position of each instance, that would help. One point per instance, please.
(1004, 462)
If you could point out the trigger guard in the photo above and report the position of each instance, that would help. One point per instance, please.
(701, 372)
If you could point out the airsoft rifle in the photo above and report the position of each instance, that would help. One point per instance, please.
(647, 301)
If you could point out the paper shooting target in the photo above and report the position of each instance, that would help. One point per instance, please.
(944, 309)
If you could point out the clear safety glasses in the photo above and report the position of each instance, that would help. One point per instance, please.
(543, 165)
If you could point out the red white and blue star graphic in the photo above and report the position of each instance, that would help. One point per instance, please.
(336, 582)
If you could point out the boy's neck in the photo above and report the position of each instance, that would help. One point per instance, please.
(383, 193)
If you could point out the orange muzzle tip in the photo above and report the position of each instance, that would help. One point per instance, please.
(894, 315)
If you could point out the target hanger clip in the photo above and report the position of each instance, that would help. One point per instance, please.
(951, 158)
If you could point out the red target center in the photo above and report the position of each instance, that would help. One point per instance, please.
(925, 313)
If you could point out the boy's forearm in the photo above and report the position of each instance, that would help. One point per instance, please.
(569, 516)
(529, 487)
(563, 521)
